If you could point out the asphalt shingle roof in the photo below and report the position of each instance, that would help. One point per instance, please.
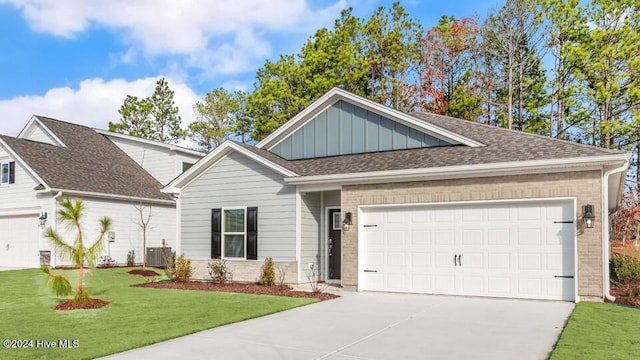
(89, 163)
(502, 145)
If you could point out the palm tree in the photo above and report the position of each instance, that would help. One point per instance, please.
(80, 254)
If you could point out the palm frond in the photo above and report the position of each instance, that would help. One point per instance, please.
(60, 284)
(64, 249)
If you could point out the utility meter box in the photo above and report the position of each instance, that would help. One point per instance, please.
(111, 236)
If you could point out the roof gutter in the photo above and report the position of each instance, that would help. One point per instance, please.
(458, 171)
(109, 196)
(605, 227)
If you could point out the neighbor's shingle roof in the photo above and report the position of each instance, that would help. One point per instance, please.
(502, 145)
(90, 163)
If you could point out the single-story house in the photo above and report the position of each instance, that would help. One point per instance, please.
(51, 160)
(380, 200)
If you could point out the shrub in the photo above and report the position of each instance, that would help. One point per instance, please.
(219, 271)
(106, 261)
(282, 275)
(131, 258)
(624, 268)
(268, 277)
(313, 275)
(182, 271)
(169, 261)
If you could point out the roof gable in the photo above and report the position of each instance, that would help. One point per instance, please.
(311, 133)
(344, 128)
(36, 130)
(89, 163)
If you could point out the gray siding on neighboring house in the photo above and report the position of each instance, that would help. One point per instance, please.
(310, 226)
(20, 195)
(237, 181)
(348, 129)
(162, 163)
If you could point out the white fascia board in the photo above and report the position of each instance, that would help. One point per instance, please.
(35, 121)
(171, 147)
(132, 199)
(213, 158)
(19, 159)
(463, 171)
(335, 94)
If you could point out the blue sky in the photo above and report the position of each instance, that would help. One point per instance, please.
(76, 60)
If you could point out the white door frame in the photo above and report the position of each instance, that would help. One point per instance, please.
(362, 209)
(325, 237)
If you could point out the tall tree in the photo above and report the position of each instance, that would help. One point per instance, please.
(216, 117)
(606, 62)
(166, 124)
(154, 118)
(449, 74)
(392, 46)
(512, 36)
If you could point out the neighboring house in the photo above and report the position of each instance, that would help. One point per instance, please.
(381, 200)
(51, 160)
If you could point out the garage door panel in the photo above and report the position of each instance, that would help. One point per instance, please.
(19, 241)
(508, 249)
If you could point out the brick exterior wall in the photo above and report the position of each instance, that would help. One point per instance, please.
(584, 185)
(247, 271)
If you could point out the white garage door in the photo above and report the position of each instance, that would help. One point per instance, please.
(523, 250)
(19, 241)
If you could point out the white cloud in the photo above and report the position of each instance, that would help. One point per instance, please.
(94, 103)
(223, 36)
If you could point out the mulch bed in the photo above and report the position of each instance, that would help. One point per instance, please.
(89, 304)
(245, 288)
(146, 273)
(627, 294)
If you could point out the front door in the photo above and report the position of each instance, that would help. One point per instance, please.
(335, 243)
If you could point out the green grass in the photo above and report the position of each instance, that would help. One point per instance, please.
(135, 317)
(600, 331)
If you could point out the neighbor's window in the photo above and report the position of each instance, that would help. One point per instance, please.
(7, 173)
(234, 233)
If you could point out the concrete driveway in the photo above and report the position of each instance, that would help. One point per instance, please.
(381, 326)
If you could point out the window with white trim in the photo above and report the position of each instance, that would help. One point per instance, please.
(233, 233)
(7, 173)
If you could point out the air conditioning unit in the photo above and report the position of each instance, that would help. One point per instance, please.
(155, 256)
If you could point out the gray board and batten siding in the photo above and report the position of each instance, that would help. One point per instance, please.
(345, 129)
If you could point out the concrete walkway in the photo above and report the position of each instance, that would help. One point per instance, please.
(381, 326)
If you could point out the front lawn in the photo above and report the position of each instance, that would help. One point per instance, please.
(135, 317)
(600, 331)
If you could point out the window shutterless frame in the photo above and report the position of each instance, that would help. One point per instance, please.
(234, 227)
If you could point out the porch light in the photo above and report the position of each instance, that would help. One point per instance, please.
(347, 221)
(43, 218)
(588, 216)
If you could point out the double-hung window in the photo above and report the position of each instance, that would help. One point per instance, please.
(7, 172)
(234, 233)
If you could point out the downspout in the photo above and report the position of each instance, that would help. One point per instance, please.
(605, 228)
(54, 225)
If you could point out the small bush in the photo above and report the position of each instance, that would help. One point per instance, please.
(624, 268)
(169, 261)
(219, 271)
(268, 277)
(182, 271)
(282, 275)
(313, 275)
(106, 261)
(131, 258)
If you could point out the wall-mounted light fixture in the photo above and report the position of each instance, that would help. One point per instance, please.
(588, 216)
(43, 218)
(347, 221)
